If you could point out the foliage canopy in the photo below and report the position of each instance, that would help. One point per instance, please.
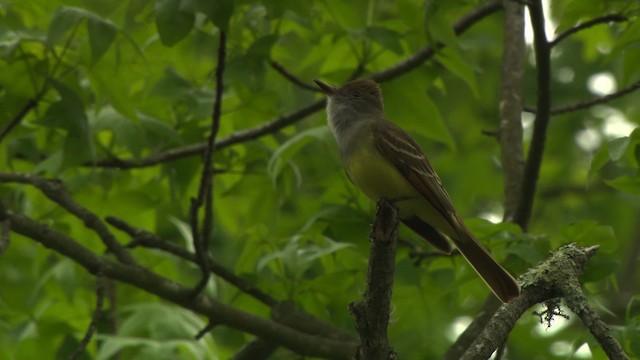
(115, 99)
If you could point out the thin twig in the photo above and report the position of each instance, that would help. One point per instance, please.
(235, 138)
(536, 151)
(587, 24)
(206, 329)
(150, 240)
(428, 52)
(5, 227)
(274, 125)
(584, 104)
(97, 315)
(205, 191)
(257, 349)
(18, 118)
(289, 76)
(56, 191)
(359, 70)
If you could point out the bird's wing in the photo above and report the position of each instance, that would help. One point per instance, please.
(407, 156)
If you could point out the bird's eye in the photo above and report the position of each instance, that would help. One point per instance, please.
(356, 94)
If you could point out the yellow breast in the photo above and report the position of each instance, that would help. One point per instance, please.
(375, 175)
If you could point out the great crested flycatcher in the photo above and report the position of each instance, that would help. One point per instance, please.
(384, 161)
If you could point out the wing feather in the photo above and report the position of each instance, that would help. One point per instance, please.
(407, 156)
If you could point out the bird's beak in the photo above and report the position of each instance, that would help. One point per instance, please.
(326, 88)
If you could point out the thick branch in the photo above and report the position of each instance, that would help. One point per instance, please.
(576, 301)
(372, 313)
(510, 134)
(141, 278)
(274, 125)
(546, 281)
(536, 151)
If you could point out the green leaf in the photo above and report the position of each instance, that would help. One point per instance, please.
(349, 14)
(298, 257)
(261, 48)
(248, 69)
(526, 252)
(102, 32)
(623, 151)
(408, 105)
(599, 267)
(388, 38)
(126, 133)
(109, 85)
(289, 148)
(627, 184)
(160, 131)
(588, 232)
(68, 113)
(459, 67)
(436, 25)
(600, 159)
(618, 147)
(68, 346)
(174, 20)
(64, 19)
(218, 11)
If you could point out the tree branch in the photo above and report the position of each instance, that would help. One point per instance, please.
(274, 125)
(285, 313)
(56, 191)
(289, 76)
(555, 277)
(587, 24)
(578, 303)
(205, 191)
(584, 104)
(97, 314)
(510, 134)
(5, 228)
(257, 349)
(166, 289)
(18, 118)
(150, 240)
(536, 151)
(372, 313)
(428, 52)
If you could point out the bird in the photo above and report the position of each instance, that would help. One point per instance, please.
(384, 161)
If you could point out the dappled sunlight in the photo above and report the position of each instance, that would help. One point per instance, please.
(602, 84)
(588, 139)
(458, 326)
